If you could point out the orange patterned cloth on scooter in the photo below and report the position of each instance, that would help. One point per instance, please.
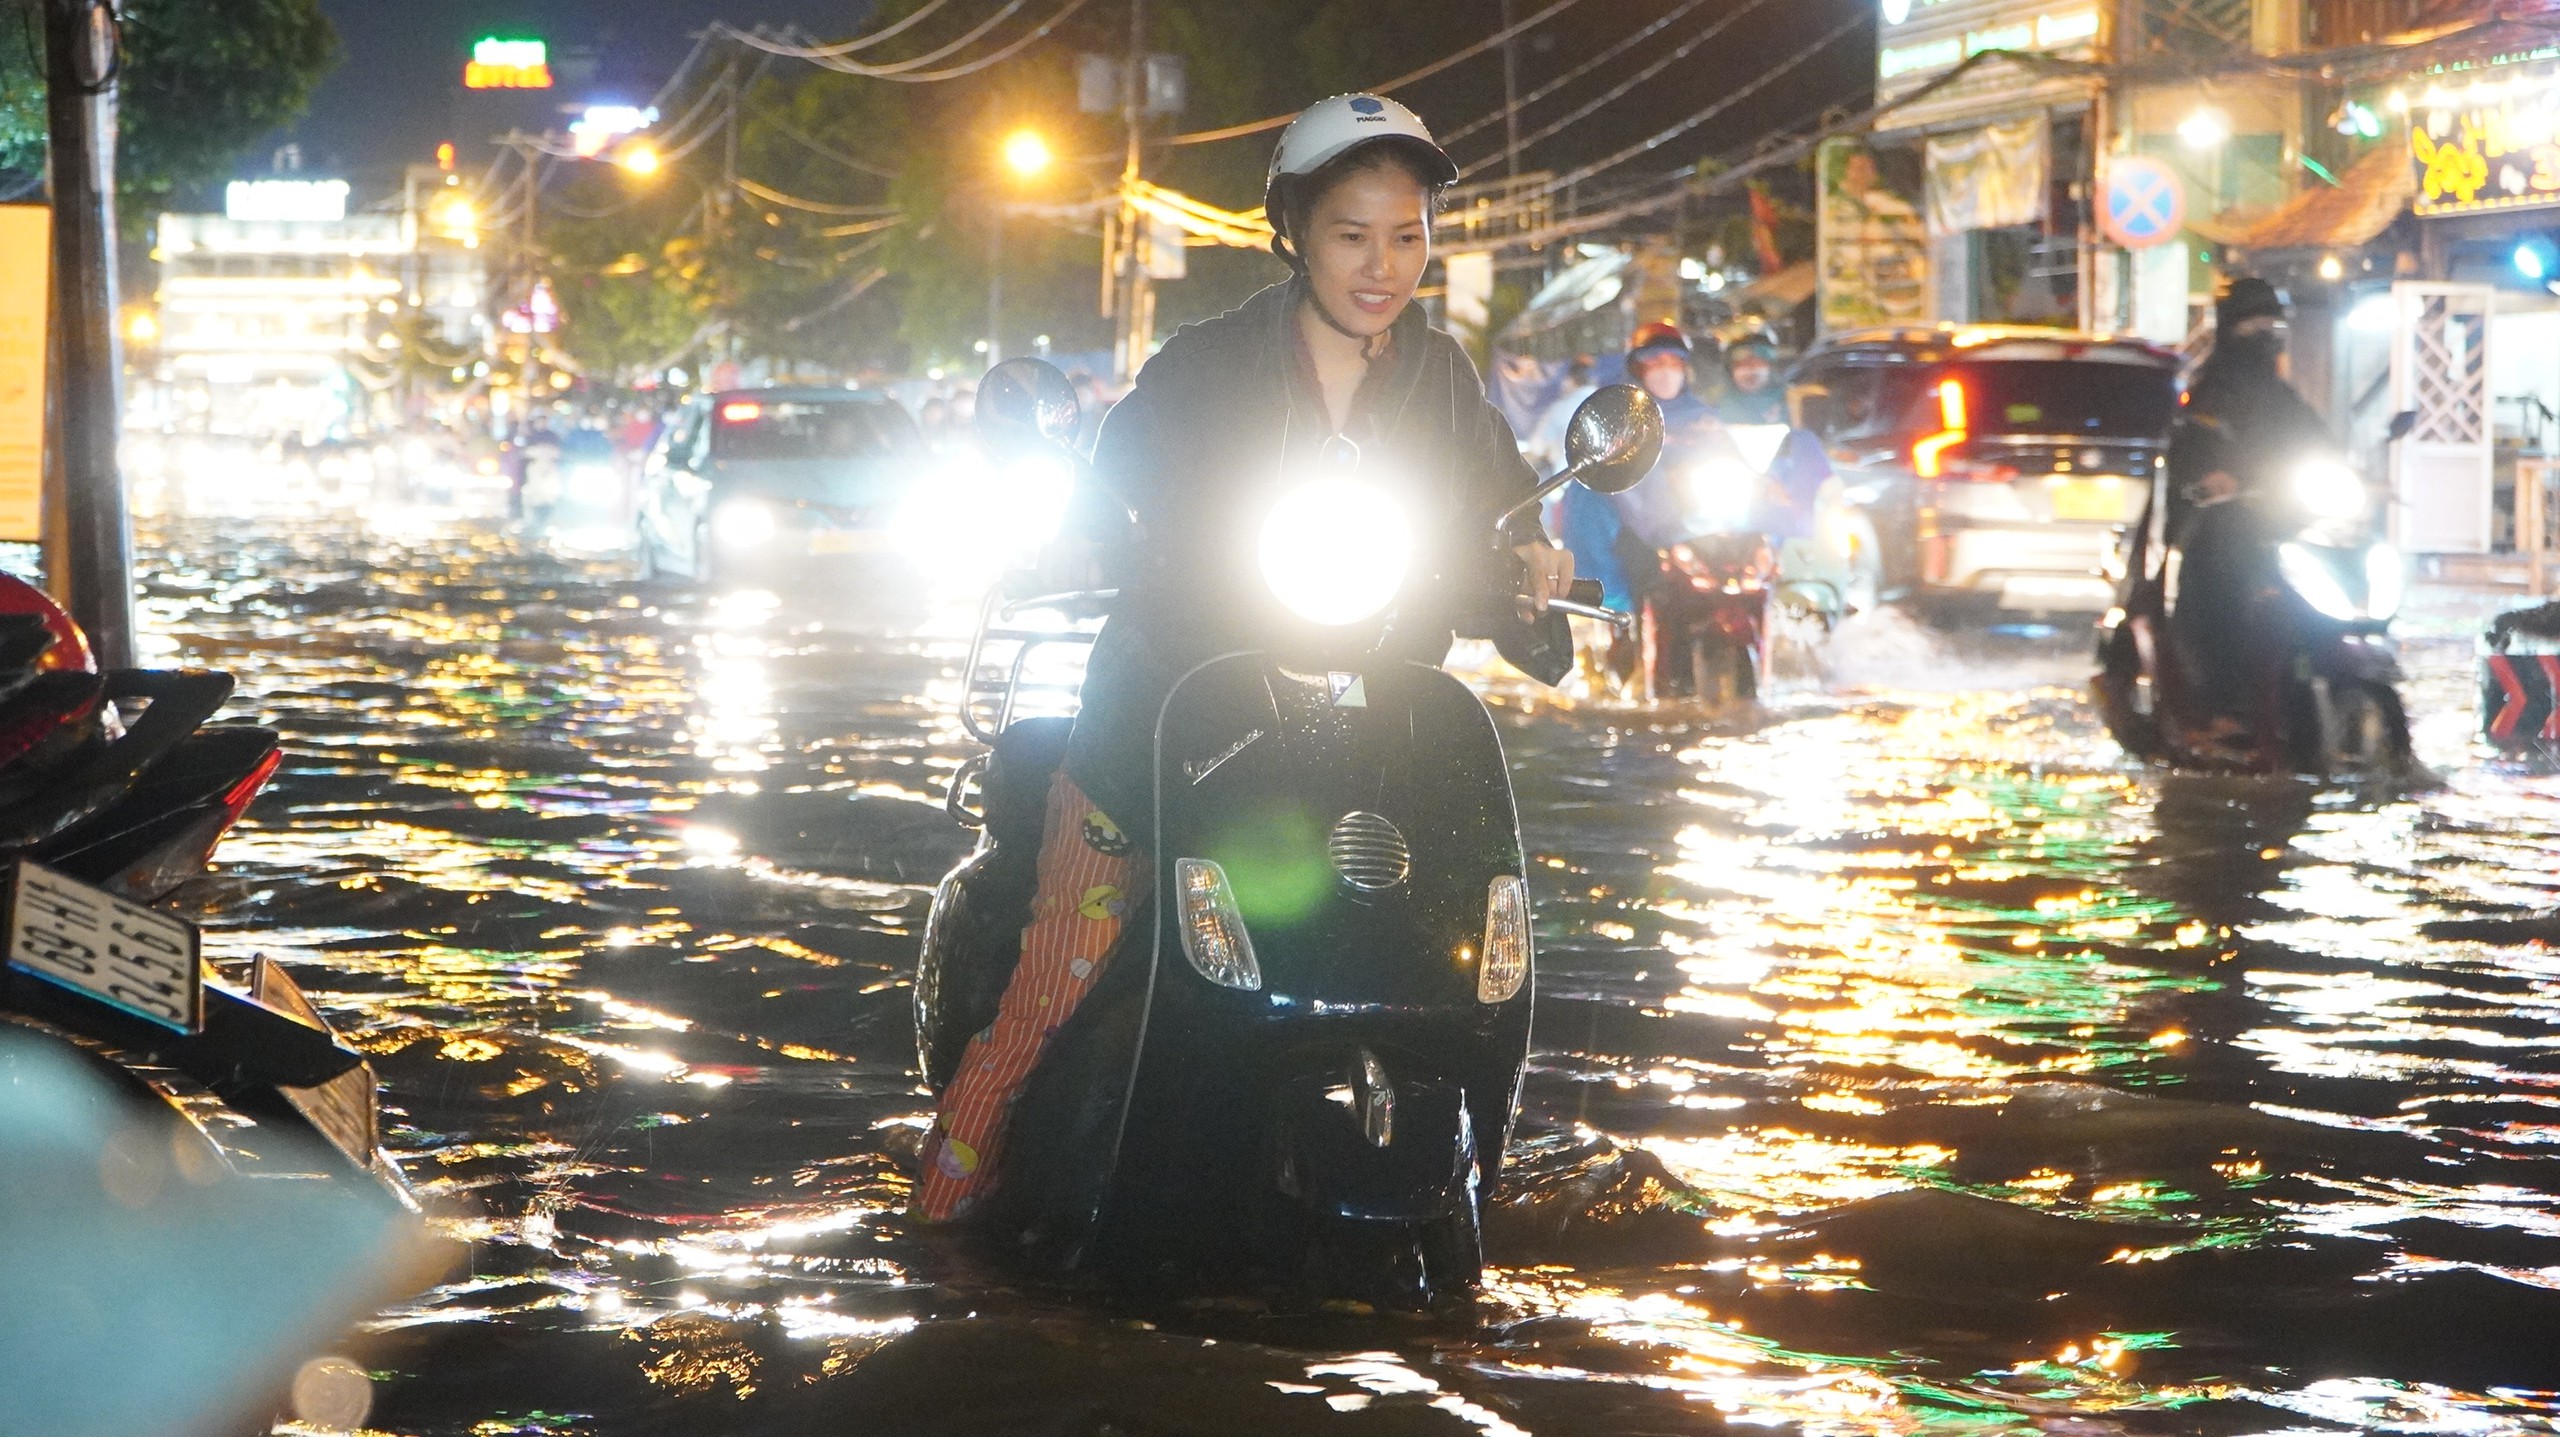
(1091, 878)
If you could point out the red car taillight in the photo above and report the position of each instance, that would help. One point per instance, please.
(1928, 455)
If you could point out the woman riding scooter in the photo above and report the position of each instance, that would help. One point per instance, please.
(1332, 368)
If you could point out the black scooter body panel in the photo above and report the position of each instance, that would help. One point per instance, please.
(1169, 1128)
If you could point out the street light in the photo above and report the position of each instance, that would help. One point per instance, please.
(639, 158)
(2204, 128)
(1026, 154)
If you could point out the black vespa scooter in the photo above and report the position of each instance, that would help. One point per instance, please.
(2322, 695)
(1302, 1070)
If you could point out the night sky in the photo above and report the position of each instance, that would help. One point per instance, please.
(394, 94)
(397, 89)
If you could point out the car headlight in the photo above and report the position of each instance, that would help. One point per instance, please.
(594, 484)
(2329, 489)
(1335, 551)
(1506, 940)
(2385, 581)
(1213, 935)
(744, 523)
(2316, 582)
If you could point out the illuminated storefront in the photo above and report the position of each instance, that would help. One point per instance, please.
(1987, 224)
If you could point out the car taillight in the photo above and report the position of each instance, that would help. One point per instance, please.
(1506, 940)
(1927, 455)
(1213, 935)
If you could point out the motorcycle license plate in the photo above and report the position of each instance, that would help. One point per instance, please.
(848, 541)
(2095, 499)
(100, 946)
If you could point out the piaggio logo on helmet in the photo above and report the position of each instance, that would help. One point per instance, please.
(1368, 107)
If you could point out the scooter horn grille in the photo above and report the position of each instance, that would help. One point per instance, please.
(1369, 852)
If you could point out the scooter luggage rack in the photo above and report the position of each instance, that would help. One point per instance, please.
(1026, 641)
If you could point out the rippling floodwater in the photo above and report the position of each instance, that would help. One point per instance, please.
(1905, 1062)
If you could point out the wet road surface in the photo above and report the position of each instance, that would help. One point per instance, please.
(1905, 1059)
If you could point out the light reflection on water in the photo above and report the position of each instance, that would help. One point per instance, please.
(1905, 1061)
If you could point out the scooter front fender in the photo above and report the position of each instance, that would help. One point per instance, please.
(1343, 1152)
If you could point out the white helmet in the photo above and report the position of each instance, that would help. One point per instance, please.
(1329, 129)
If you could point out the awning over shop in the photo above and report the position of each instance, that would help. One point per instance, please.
(1785, 289)
(2360, 206)
(1592, 284)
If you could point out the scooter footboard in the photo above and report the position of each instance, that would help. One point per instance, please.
(1327, 1153)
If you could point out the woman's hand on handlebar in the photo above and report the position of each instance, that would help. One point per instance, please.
(1546, 575)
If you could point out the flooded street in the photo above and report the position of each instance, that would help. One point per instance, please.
(1905, 1061)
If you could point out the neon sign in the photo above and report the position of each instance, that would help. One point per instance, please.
(499, 64)
(292, 201)
(2487, 146)
(601, 125)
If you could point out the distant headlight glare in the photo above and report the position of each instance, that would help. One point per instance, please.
(744, 524)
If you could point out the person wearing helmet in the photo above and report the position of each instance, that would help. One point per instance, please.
(2240, 432)
(1334, 366)
(1751, 393)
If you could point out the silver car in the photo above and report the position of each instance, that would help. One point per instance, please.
(1988, 466)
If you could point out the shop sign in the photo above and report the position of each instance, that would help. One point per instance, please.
(1989, 178)
(287, 201)
(1918, 44)
(2486, 144)
(501, 64)
(1871, 246)
(26, 257)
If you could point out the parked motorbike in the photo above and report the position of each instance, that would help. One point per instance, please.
(2322, 677)
(100, 817)
(1733, 595)
(1301, 1067)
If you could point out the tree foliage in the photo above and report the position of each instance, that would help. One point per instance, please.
(202, 81)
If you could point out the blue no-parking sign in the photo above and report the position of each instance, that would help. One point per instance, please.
(2145, 202)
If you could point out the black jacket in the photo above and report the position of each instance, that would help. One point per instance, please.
(1221, 423)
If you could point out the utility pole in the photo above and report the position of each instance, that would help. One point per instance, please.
(995, 284)
(1510, 98)
(1137, 296)
(88, 548)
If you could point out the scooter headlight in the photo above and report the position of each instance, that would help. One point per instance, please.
(744, 523)
(1213, 935)
(1335, 551)
(594, 484)
(2328, 489)
(1506, 940)
(1722, 492)
(2316, 582)
(2385, 581)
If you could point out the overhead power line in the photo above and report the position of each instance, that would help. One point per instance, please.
(1669, 58)
(770, 195)
(1273, 122)
(911, 70)
(1652, 28)
(865, 42)
(1672, 132)
(822, 55)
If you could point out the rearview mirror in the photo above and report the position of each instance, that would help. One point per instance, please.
(1026, 405)
(1614, 438)
(2402, 423)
